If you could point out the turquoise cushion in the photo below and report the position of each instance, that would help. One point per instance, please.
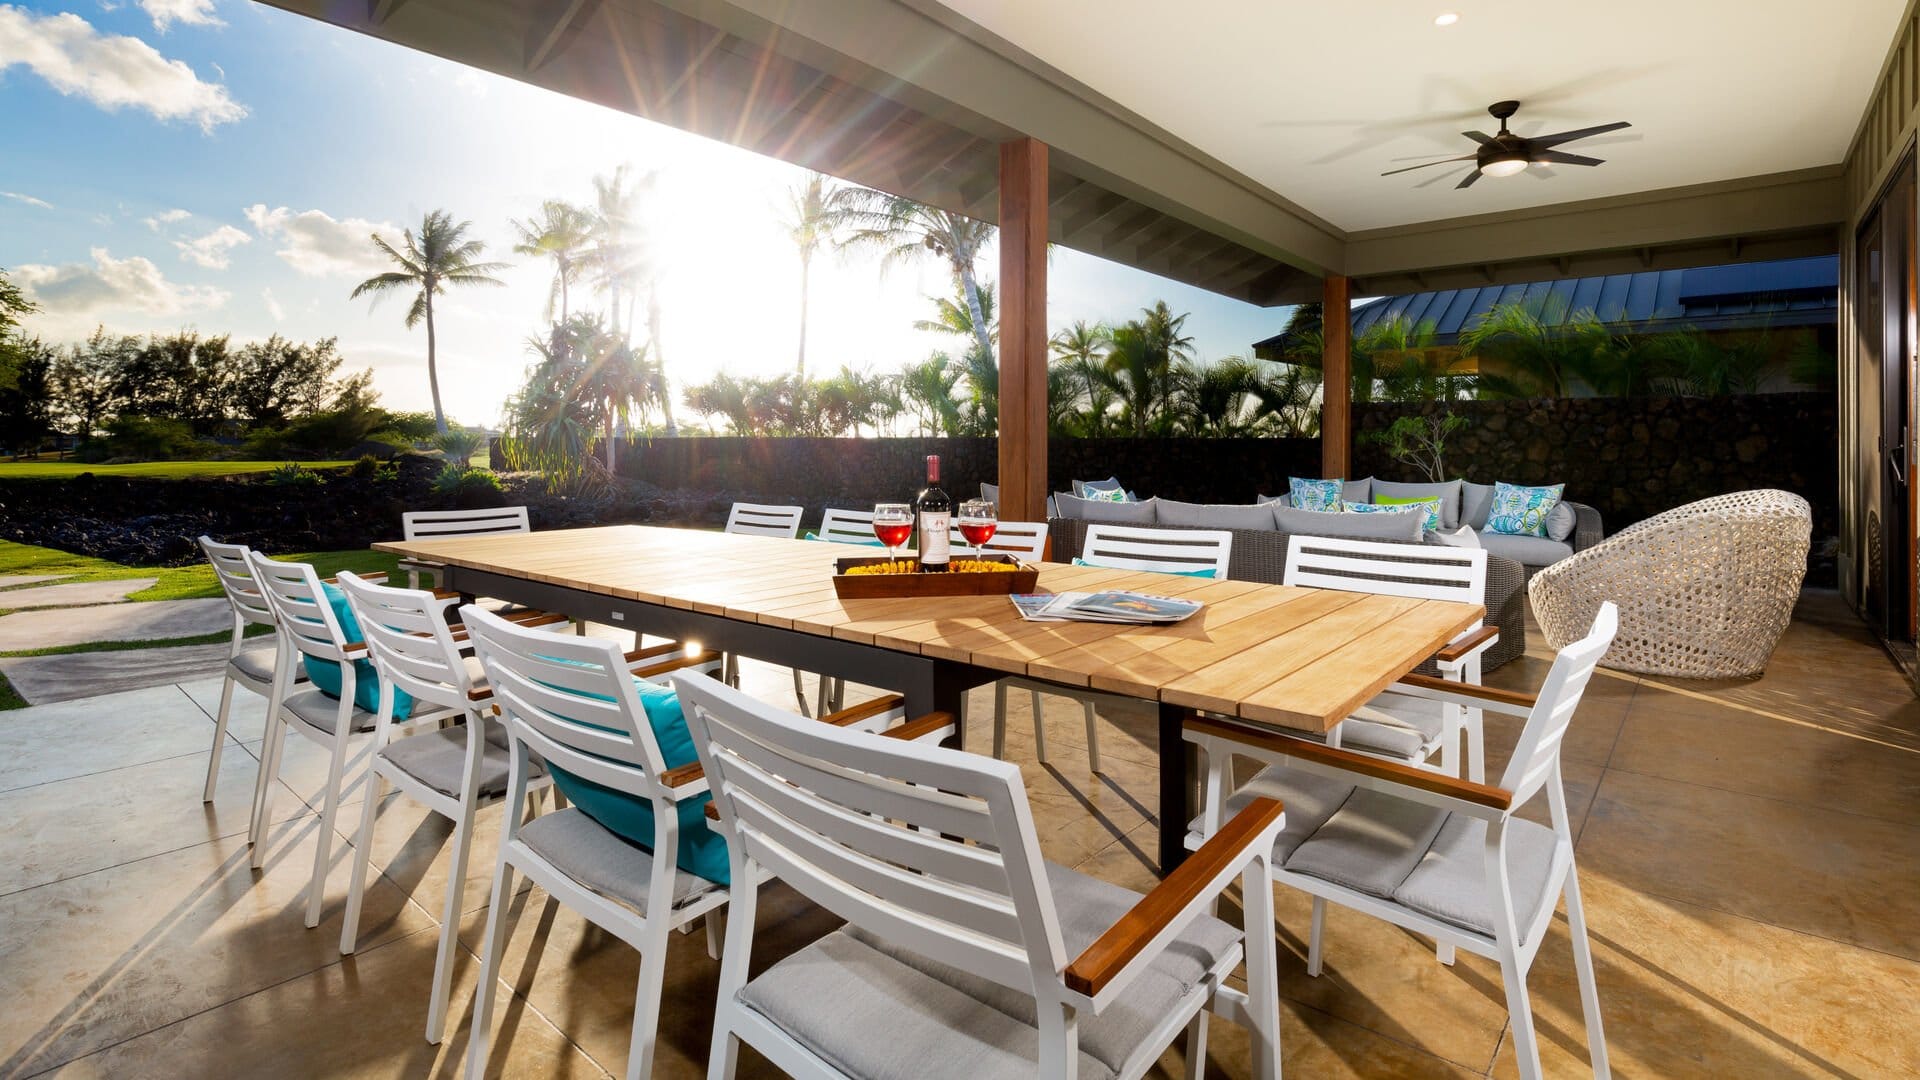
(701, 850)
(1207, 573)
(325, 674)
(1383, 503)
(1315, 494)
(812, 534)
(1522, 511)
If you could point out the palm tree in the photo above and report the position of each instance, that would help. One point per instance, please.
(1138, 371)
(1543, 351)
(810, 222)
(549, 423)
(954, 316)
(1078, 353)
(626, 260)
(561, 233)
(1215, 400)
(927, 391)
(902, 229)
(439, 256)
(617, 378)
(724, 396)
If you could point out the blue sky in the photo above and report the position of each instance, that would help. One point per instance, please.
(219, 164)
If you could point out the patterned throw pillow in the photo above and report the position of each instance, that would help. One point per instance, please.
(1384, 502)
(1522, 511)
(1314, 494)
(1106, 495)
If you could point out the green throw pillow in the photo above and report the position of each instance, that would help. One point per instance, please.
(1431, 502)
(325, 674)
(1207, 573)
(1522, 511)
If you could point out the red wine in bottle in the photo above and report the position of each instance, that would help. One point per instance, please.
(933, 514)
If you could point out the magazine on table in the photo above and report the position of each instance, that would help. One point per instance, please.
(1110, 606)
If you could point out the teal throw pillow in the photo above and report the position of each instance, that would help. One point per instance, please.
(1207, 573)
(1106, 495)
(701, 851)
(1322, 495)
(812, 534)
(325, 674)
(1522, 511)
(1389, 502)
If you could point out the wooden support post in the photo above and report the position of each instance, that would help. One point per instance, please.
(1336, 375)
(1023, 330)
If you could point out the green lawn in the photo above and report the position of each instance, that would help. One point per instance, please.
(170, 470)
(175, 582)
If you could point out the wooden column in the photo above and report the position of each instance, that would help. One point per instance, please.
(1023, 330)
(1336, 374)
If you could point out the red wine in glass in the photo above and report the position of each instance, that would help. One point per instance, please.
(978, 532)
(892, 534)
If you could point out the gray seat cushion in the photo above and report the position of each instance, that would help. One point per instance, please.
(1370, 844)
(1476, 503)
(1308, 800)
(256, 664)
(582, 849)
(1213, 515)
(1525, 550)
(1405, 525)
(1087, 908)
(1396, 726)
(1448, 493)
(1450, 881)
(320, 712)
(438, 759)
(872, 1015)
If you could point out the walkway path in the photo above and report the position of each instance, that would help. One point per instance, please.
(63, 614)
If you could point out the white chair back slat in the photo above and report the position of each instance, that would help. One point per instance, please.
(847, 526)
(1161, 550)
(1425, 572)
(1024, 540)
(432, 524)
(235, 574)
(971, 890)
(1536, 755)
(571, 698)
(756, 519)
(300, 607)
(409, 642)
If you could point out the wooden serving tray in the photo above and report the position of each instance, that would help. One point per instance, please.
(872, 586)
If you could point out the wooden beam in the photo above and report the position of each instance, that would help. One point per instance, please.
(1336, 388)
(550, 25)
(1023, 330)
(379, 11)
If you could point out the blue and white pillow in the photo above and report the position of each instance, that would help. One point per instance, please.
(1522, 511)
(1324, 495)
(1431, 506)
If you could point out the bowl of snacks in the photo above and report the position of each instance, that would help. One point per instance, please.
(966, 575)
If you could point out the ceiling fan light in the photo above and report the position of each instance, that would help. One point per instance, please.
(1507, 166)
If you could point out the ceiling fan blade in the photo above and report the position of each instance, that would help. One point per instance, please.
(1468, 182)
(1480, 137)
(1579, 133)
(1561, 157)
(1423, 165)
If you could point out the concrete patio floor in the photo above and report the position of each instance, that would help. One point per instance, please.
(1750, 854)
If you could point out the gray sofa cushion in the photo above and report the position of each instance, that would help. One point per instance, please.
(1403, 525)
(1525, 550)
(1112, 513)
(991, 493)
(1360, 490)
(1476, 502)
(1273, 500)
(1213, 515)
(1560, 521)
(1448, 494)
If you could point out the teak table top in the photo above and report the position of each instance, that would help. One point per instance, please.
(1274, 654)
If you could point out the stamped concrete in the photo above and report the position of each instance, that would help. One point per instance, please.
(74, 593)
(113, 622)
(44, 679)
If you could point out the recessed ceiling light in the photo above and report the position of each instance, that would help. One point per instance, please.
(1447, 18)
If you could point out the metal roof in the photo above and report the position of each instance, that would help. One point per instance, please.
(1786, 293)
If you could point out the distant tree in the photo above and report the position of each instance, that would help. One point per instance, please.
(626, 260)
(902, 230)
(180, 376)
(723, 396)
(1139, 372)
(86, 380)
(1078, 398)
(549, 423)
(1541, 350)
(562, 233)
(617, 378)
(811, 224)
(438, 257)
(26, 395)
(277, 380)
(927, 395)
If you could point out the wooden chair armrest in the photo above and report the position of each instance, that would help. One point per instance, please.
(704, 656)
(685, 781)
(1392, 772)
(1513, 699)
(1466, 646)
(921, 727)
(866, 710)
(1174, 897)
(665, 648)
(354, 649)
(532, 620)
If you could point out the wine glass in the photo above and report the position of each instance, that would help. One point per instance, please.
(977, 523)
(892, 524)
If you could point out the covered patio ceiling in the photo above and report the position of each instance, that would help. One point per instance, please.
(1236, 146)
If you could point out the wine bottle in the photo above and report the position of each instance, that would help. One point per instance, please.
(932, 515)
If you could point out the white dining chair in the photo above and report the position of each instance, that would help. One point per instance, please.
(1198, 552)
(569, 702)
(1024, 540)
(964, 952)
(441, 524)
(836, 527)
(309, 630)
(1441, 856)
(252, 667)
(451, 770)
(757, 519)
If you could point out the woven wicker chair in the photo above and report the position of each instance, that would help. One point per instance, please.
(1705, 590)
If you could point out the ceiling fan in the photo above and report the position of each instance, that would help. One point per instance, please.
(1507, 154)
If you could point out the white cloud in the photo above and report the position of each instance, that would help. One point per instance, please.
(212, 250)
(113, 285)
(167, 12)
(166, 217)
(28, 199)
(273, 305)
(112, 71)
(318, 245)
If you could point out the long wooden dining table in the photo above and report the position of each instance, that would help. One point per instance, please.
(1291, 658)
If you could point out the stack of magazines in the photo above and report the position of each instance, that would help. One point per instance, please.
(1111, 606)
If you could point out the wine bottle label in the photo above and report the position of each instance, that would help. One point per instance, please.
(935, 541)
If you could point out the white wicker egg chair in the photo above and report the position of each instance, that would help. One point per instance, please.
(1705, 590)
